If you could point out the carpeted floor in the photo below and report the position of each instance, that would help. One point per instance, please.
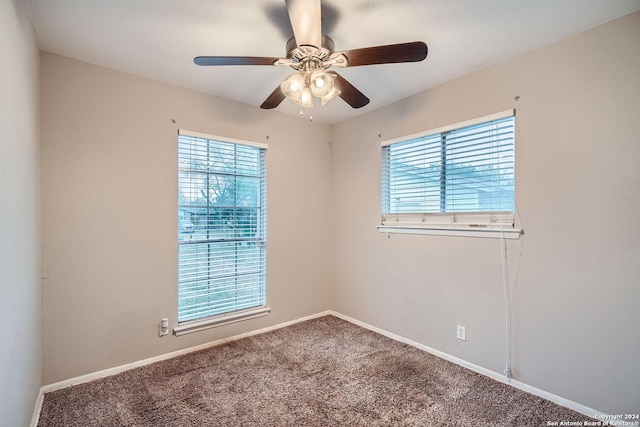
(322, 372)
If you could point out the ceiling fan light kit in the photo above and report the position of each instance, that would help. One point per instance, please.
(311, 78)
(311, 54)
(300, 88)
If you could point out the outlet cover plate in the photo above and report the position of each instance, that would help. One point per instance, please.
(461, 332)
(163, 327)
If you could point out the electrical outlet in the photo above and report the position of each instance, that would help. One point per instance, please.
(461, 333)
(163, 327)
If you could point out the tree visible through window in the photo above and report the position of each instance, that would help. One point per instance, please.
(221, 226)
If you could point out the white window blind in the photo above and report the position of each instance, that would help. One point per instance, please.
(457, 176)
(221, 226)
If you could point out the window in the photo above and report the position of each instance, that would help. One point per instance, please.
(456, 177)
(221, 231)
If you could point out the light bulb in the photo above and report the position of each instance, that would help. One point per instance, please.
(319, 81)
(293, 86)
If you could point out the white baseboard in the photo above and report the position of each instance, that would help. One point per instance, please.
(479, 369)
(38, 406)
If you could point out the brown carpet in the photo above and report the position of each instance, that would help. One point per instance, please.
(322, 372)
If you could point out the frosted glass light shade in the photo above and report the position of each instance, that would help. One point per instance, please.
(306, 99)
(293, 86)
(328, 97)
(321, 83)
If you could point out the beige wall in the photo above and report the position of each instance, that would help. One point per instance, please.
(20, 352)
(575, 309)
(109, 194)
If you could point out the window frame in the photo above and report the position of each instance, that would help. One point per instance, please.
(499, 224)
(234, 315)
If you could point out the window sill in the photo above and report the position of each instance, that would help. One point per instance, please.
(213, 322)
(462, 231)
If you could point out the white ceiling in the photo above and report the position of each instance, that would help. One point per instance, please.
(158, 39)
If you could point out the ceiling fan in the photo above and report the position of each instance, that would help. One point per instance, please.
(311, 54)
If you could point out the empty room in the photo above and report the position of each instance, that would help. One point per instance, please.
(319, 213)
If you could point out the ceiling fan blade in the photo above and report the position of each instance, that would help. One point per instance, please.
(306, 21)
(273, 100)
(349, 93)
(234, 60)
(388, 54)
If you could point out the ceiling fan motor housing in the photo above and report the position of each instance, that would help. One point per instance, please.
(307, 57)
